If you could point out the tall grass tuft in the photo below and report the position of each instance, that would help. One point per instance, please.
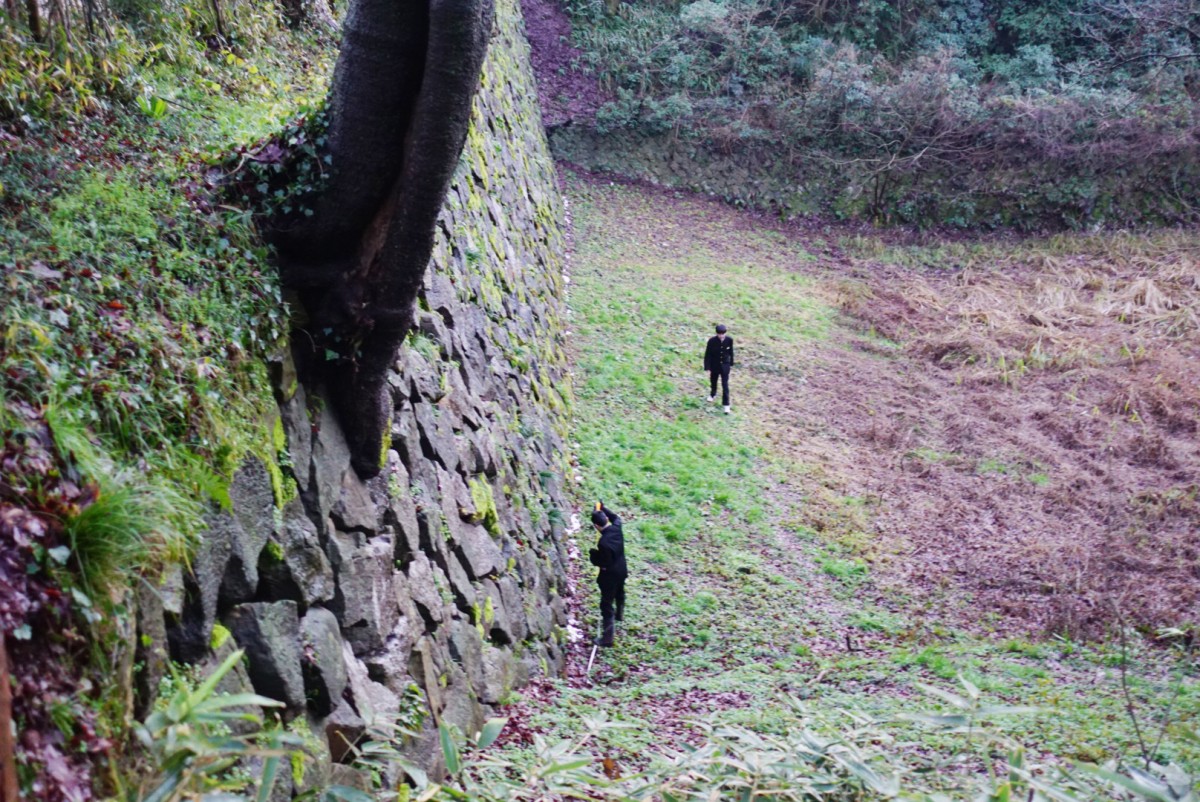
(130, 525)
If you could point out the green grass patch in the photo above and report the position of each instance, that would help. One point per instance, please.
(728, 593)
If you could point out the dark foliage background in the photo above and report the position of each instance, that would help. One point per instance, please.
(967, 112)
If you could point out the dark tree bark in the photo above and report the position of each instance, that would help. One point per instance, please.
(316, 13)
(399, 111)
(35, 19)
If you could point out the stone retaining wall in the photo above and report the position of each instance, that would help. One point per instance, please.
(430, 592)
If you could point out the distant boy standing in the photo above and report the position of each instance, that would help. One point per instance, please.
(718, 359)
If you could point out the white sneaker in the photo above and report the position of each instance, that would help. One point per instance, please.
(728, 410)
(712, 398)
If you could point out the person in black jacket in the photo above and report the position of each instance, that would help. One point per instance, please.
(609, 557)
(718, 359)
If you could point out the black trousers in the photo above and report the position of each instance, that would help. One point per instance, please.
(612, 591)
(723, 375)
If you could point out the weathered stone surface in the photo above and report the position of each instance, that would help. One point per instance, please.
(270, 634)
(462, 708)
(297, 429)
(499, 675)
(424, 592)
(331, 460)
(343, 728)
(514, 608)
(294, 565)
(170, 590)
(406, 440)
(425, 751)
(401, 512)
(372, 699)
(437, 439)
(253, 502)
(495, 617)
(426, 665)
(366, 600)
(389, 667)
(318, 762)
(235, 681)
(253, 521)
(282, 787)
(461, 588)
(355, 510)
(350, 777)
(466, 649)
(477, 550)
(151, 654)
(322, 665)
(190, 631)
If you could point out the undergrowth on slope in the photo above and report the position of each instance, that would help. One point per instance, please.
(928, 113)
(138, 312)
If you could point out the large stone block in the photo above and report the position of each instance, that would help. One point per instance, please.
(270, 634)
(461, 707)
(514, 608)
(331, 461)
(322, 663)
(343, 729)
(190, 631)
(235, 681)
(500, 673)
(389, 666)
(437, 438)
(496, 622)
(373, 700)
(366, 599)
(425, 665)
(424, 592)
(294, 566)
(253, 500)
(466, 649)
(401, 511)
(297, 430)
(355, 510)
(151, 653)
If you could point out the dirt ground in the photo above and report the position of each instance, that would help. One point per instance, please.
(1018, 428)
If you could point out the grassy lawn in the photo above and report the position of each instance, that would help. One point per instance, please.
(737, 608)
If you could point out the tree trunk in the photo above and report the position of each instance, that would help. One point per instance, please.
(35, 19)
(399, 111)
(315, 13)
(9, 790)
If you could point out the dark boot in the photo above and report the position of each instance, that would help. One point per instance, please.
(620, 611)
(606, 636)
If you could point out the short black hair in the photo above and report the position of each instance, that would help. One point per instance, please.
(720, 328)
(599, 519)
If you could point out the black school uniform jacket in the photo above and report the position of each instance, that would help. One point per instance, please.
(719, 353)
(609, 554)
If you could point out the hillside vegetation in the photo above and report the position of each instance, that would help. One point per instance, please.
(139, 307)
(958, 112)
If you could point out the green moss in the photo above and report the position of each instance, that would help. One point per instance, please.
(274, 551)
(386, 444)
(220, 635)
(278, 436)
(298, 766)
(485, 504)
